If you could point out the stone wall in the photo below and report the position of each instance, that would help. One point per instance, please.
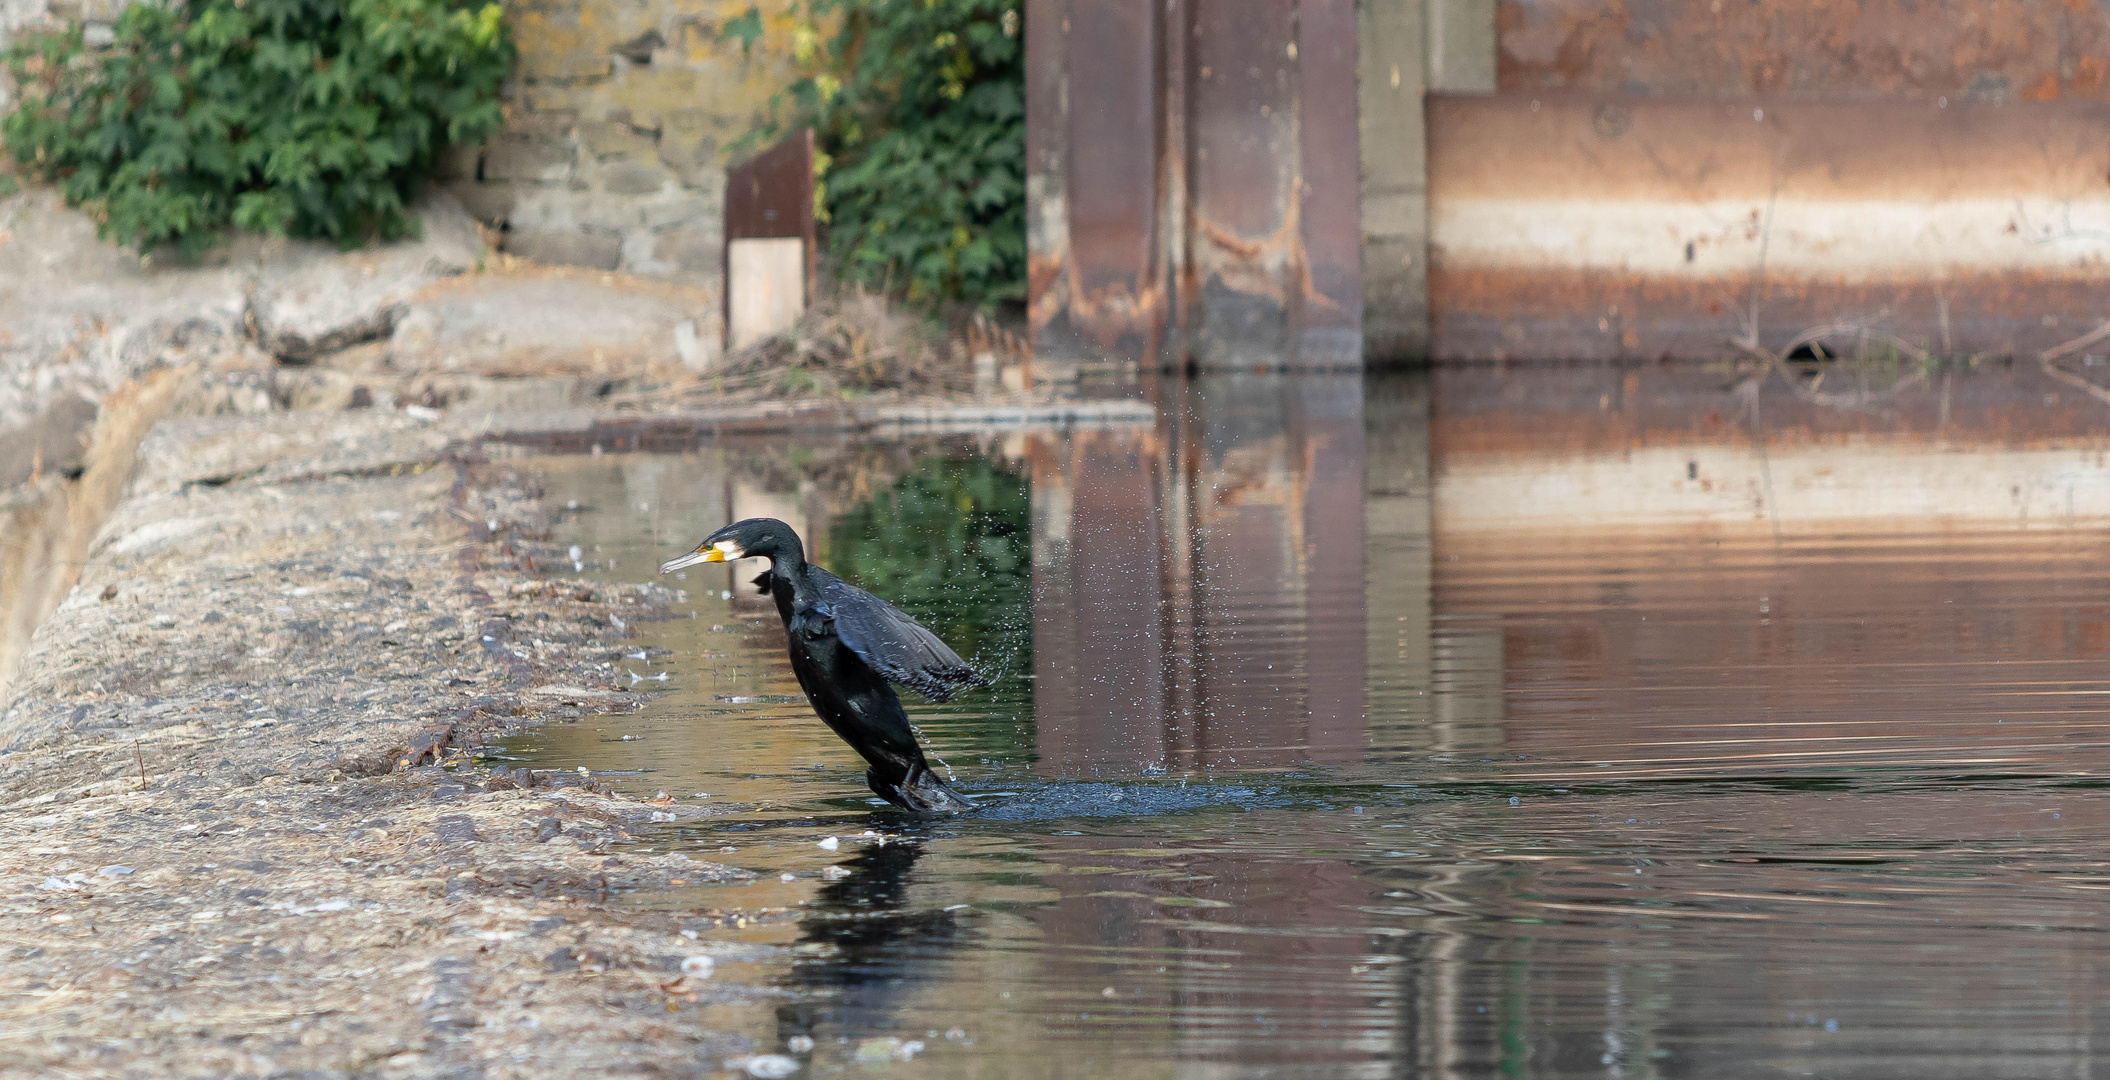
(621, 113)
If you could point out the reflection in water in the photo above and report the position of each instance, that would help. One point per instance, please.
(1546, 723)
(1910, 587)
(1198, 589)
(865, 948)
(949, 541)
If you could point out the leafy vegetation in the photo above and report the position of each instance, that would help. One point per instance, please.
(315, 118)
(919, 106)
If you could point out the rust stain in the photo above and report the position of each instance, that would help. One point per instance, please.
(1043, 274)
(1110, 312)
(2032, 49)
(1276, 268)
(1247, 250)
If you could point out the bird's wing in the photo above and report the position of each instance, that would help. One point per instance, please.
(894, 645)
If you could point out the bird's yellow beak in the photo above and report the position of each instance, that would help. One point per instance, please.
(722, 551)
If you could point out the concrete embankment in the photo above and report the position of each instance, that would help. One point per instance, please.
(225, 846)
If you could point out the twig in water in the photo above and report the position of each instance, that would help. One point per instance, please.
(2069, 378)
(142, 758)
(2101, 331)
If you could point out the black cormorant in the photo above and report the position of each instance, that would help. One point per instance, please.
(846, 647)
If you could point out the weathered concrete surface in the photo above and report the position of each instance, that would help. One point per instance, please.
(428, 321)
(80, 317)
(543, 319)
(310, 301)
(207, 867)
(1391, 77)
(516, 337)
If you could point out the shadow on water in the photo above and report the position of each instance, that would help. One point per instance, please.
(1526, 721)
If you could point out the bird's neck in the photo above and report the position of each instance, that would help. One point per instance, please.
(792, 567)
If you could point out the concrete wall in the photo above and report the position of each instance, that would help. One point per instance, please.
(1404, 51)
(620, 113)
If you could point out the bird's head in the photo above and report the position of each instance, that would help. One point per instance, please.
(754, 538)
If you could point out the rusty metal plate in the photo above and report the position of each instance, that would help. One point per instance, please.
(1606, 228)
(770, 195)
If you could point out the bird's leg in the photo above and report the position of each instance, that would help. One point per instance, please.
(885, 788)
(915, 788)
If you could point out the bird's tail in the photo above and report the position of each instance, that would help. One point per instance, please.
(920, 790)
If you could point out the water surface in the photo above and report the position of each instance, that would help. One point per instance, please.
(1530, 722)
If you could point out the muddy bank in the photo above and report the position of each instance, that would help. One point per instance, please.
(228, 847)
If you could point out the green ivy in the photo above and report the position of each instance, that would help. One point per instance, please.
(919, 106)
(313, 118)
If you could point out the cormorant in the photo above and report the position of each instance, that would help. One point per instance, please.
(846, 647)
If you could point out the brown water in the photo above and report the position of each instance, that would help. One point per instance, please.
(1541, 722)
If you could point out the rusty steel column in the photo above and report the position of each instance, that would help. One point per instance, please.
(1092, 133)
(1192, 183)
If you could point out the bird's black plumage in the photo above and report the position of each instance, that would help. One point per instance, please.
(847, 646)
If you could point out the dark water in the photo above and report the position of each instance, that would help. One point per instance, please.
(1539, 723)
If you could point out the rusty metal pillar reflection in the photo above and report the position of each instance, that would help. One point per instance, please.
(1193, 184)
(1198, 589)
(1099, 660)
